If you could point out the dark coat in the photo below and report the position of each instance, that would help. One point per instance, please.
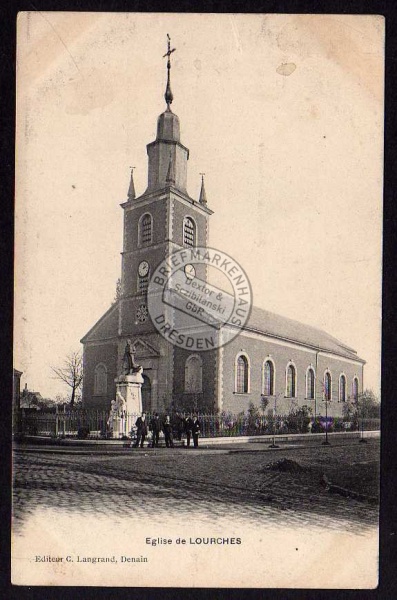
(188, 424)
(196, 427)
(155, 425)
(167, 428)
(141, 426)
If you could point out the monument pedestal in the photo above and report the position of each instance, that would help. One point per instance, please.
(129, 387)
(118, 425)
(128, 403)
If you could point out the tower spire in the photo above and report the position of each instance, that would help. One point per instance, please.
(131, 190)
(203, 195)
(168, 93)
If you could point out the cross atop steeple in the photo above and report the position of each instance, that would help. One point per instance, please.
(168, 93)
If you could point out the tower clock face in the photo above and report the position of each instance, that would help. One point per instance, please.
(143, 268)
(190, 271)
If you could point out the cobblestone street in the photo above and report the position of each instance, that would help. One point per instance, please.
(80, 505)
(155, 482)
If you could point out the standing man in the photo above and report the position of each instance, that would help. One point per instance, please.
(179, 426)
(155, 427)
(188, 424)
(141, 430)
(196, 428)
(167, 428)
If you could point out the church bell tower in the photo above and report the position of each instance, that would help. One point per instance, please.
(160, 221)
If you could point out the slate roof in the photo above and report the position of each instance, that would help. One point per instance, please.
(260, 321)
(264, 321)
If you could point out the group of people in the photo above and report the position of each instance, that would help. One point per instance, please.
(189, 425)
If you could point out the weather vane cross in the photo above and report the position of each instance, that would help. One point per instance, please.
(169, 51)
(168, 93)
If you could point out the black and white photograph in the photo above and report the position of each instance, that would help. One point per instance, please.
(197, 313)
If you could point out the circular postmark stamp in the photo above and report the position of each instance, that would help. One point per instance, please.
(199, 298)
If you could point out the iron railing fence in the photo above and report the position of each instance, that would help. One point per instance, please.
(95, 424)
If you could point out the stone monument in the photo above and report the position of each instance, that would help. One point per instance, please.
(128, 403)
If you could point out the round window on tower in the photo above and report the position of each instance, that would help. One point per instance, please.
(142, 313)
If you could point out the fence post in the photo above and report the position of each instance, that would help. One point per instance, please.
(56, 421)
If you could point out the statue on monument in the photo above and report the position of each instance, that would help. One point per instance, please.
(120, 403)
(128, 398)
(129, 365)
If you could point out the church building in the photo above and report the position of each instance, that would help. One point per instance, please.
(272, 356)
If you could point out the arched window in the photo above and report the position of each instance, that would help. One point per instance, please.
(355, 389)
(100, 380)
(194, 375)
(242, 375)
(327, 386)
(310, 384)
(291, 382)
(342, 388)
(145, 230)
(189, 232)
(268, 378)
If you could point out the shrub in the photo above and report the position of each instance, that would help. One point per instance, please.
(298, 420)
(317, 426)
(339, 424)
(253, 421)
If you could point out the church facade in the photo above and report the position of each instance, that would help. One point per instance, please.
(289, 363)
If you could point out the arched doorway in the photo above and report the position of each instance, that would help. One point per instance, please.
(146, 394)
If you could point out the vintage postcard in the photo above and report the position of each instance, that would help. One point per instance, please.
(197, 300)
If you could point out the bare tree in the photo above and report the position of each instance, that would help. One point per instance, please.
(71, 373)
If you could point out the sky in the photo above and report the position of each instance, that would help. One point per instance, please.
(283, 114)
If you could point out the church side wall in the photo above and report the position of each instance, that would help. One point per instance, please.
(336, 366)
(94, 354)
(258, 350)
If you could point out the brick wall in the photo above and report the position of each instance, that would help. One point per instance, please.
(180, 211)
(258, 350)
(94, 354)
(157, 208)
